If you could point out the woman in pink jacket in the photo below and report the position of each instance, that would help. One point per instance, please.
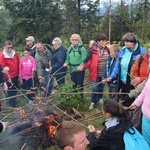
(27, 67)
(144, 100)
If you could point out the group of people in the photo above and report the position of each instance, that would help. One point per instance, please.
(126, 70)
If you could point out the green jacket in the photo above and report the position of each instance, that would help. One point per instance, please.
(42, 61)
(75, 56)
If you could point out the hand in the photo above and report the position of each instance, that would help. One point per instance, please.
(135, 81)
(21, 81)
(50, 69)
(65, 65)
(109, 79)
(33, 69)
(5, 87)
(91, 128)
(80, 68)
(5, 70)
(104, 81)
(132, 106)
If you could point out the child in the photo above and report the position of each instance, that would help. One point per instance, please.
(27, 66)
(117, 122)
(113, 85)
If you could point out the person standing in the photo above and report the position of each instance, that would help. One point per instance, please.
(30, 44)
(9, 60)
(27, 66)
(76, 54)
(42, 57)
(125, 60)
(58, 58)
(113, 85)
(96, 61)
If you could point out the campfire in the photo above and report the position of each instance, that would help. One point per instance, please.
(37, 130)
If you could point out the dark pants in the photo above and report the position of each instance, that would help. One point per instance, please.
(12, 91)
(125, 88)
(96, 87)
(78, 79)
(60, 77)
(27, 83)
(113, 90)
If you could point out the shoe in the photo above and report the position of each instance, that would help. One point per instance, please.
(91, 106)
(101, 101)
(30, 102)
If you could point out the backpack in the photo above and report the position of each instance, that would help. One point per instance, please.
(141, 60)
(134, 140)
(48, 47)
(79, 49)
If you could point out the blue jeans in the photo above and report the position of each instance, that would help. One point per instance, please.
(48, 84)
(95, 97)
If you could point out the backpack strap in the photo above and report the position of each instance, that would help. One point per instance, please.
(79, 49)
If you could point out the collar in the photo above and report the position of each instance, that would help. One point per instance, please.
(111, 122)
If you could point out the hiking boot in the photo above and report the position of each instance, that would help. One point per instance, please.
(91, 106)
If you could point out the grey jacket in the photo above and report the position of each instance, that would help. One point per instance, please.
(42, 61)
(135, 92)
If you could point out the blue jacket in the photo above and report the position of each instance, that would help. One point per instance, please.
(116, 71)
(58, 59)
(1, 75)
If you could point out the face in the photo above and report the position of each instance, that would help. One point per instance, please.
(8, 48)
(40, 47)
(113, 54)
(56, 46)
(74, 40)
(80, 141)
(29, 43)
(26, 54)
(129, 45)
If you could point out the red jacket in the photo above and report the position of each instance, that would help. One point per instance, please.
(12, 63)
(141, 70)
(92, 64)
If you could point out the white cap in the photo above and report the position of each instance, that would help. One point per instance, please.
(30, 38)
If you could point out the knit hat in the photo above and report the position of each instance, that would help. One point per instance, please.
(129, 37)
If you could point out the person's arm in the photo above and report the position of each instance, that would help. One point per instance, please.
(3, 126)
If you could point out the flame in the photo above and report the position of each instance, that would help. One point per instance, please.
(51, 131)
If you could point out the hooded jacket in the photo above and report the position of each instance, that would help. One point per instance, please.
(25, 67)
(111, 138)
(11, 62)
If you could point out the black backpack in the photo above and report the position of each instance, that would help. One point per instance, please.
(79, 49)
(49, 47)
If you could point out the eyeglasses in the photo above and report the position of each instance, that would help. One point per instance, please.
(74, 39)
(10, 47)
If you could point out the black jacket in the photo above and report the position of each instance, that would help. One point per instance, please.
(110, 139)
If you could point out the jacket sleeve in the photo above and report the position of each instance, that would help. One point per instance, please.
(34, 64)
(140, 98)
(83, 54)
(115, 69)
(98, 143)
(20, 70)
(2, 127)
(136, 68)
(135, 92)
(39, 67)
(61, 56)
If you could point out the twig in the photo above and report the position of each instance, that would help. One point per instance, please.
(23, 146)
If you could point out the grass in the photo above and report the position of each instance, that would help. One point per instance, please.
(89, 116)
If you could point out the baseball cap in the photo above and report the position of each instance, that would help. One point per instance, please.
(30, 38)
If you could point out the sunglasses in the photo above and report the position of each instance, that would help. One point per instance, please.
(74, 39)
(10, 47)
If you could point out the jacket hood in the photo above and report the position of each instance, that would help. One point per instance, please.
(121, 127)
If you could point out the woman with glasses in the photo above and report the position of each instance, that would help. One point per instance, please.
(76, 54)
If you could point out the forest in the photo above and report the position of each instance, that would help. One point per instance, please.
(47, 19)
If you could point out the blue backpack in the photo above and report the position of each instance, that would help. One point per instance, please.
(134, 140)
